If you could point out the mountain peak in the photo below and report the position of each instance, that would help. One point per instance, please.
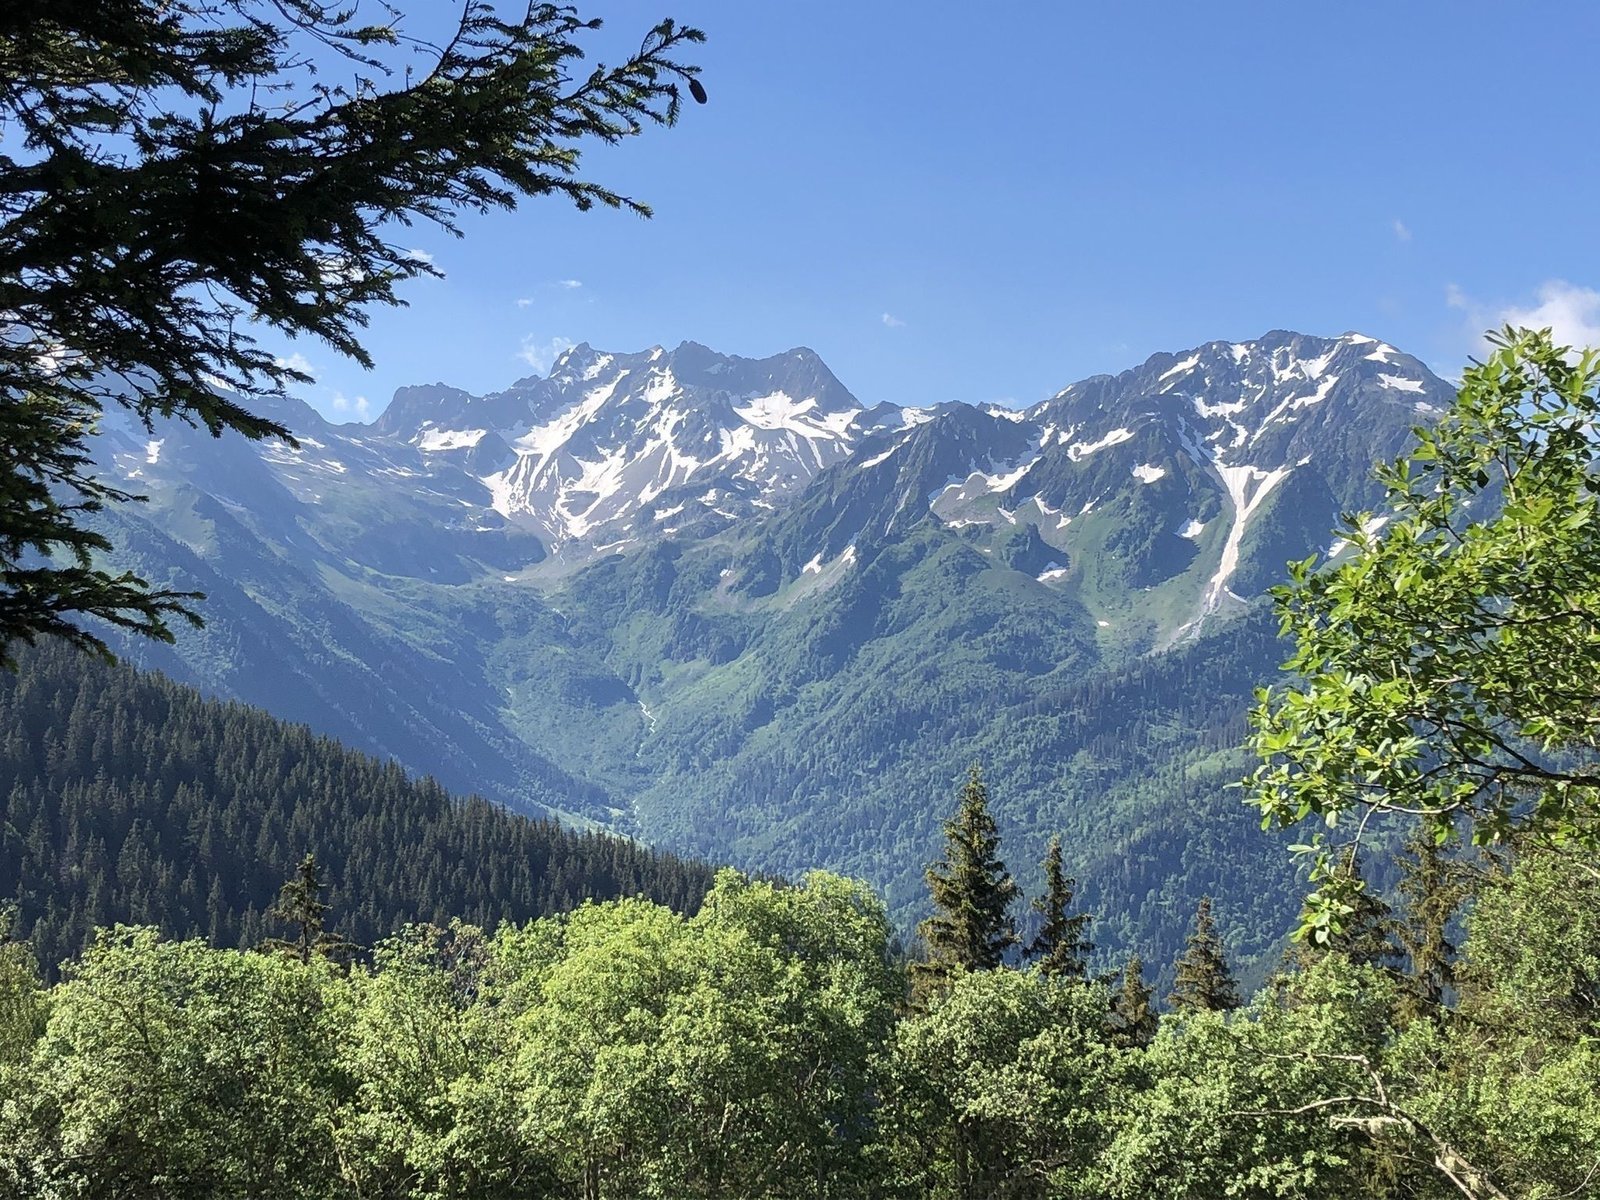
(615, 449)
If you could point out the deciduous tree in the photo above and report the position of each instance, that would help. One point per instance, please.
(1447, 669)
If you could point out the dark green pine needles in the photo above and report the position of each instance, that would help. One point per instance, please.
(1062, 946)
(972, 892)
(1204, 983)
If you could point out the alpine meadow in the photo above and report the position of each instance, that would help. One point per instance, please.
(987, 723)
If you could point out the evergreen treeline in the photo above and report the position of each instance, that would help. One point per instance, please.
(127, 798)
(772, 1045)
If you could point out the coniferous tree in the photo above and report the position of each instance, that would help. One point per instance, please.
(1133, 1019)
(1062, 947)
(1433, 887)
(301, 907)
(972, 892)
(118, 173)
(1203, 982)
(1365, 936)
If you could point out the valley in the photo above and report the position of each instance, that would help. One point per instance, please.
(723, 606)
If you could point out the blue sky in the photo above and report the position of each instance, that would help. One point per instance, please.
(987, 202)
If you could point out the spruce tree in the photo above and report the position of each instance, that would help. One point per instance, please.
(300, 906)
(1133, 1020)
(138, 132)
(1062, 947)
(1203, 982)
(972, 892)
(1433, 887)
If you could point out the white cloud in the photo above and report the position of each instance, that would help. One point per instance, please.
(524, 301)
(1569, 310)
(539, 355)
(1402, 231)
(359, 408)
(893, 322)
(569, 284)
(421, 256)
(296, 362)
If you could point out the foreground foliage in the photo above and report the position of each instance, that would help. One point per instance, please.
(1448, 666)
(762, 1048)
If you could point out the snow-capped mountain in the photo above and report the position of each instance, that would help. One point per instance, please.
(611, 448)
(1200, 473)
(719, 603)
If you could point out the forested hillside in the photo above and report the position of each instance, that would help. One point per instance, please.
(125, 797)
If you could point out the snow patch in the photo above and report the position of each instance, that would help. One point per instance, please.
(782, 411)
(435, 440)
(1400, 383)
(544, 440)
(878, 458)
(1226, 409)
(1192, 529)
(1001, 483)
(1083, 449)
(1148, 472)
(1050, 573)
(1247, 488)
(1294, 402)
(1182, 368)
(1314, 367)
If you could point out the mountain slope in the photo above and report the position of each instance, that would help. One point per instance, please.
(718, 602)
(125, 797)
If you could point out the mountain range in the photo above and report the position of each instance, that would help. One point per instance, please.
(720, 604)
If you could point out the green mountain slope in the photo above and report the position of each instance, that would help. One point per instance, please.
(126, 797)
(717, 603)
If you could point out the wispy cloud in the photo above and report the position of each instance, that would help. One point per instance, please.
(540, 354)
(357, 408)
(421, 256)
(569, 284)
(296, 362)
(1569, 310)
(893, 322)
(524, 301)
(1402, 231)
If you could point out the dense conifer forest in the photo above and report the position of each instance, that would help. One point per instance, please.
(127, 798)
